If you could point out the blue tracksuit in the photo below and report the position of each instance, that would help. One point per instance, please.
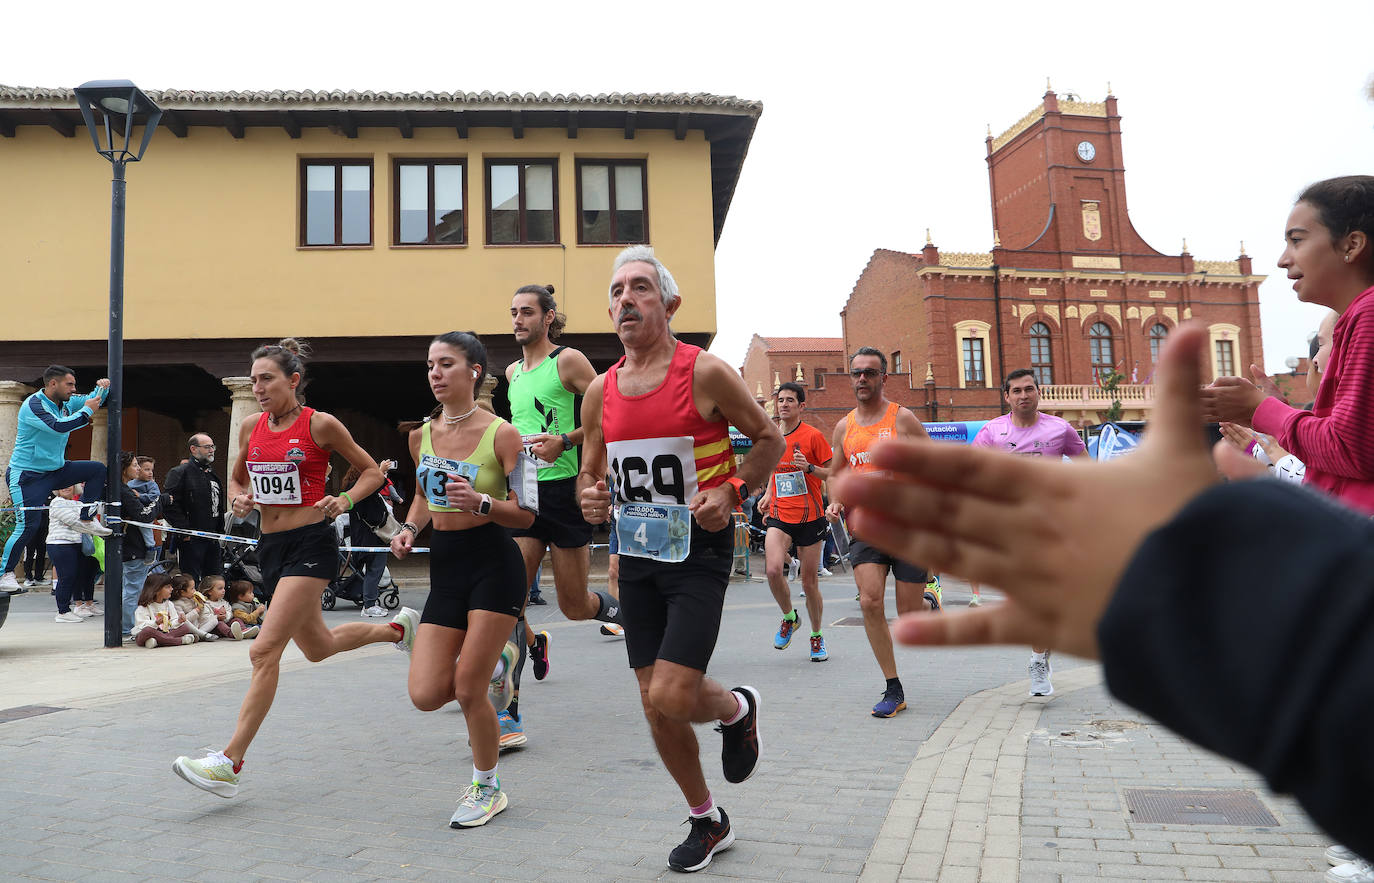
(38, 466)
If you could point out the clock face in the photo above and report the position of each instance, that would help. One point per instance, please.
(1086, 151)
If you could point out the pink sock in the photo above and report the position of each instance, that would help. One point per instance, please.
(739, 712)
(705, 808)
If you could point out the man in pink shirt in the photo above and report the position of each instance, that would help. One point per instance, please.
(1028, 433)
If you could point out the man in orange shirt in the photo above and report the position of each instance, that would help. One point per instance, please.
(876, 418)
(795, 514)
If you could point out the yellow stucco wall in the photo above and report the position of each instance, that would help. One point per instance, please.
(213, 230)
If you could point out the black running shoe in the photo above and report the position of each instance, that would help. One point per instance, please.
(539, 655)
(739, 742)
(706, 839)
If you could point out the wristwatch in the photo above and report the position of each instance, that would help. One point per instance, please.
(810, 468)
(567, 442)
(410, 526)
(484, 507)
(740, 487)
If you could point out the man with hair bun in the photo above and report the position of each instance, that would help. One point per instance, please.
(545, 385)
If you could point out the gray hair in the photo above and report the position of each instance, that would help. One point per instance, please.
(667, 285)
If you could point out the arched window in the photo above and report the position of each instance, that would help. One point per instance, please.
(1100, 349)
(1041, 362)
(1158, 332)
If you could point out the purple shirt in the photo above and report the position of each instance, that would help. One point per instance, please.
(1050, 437)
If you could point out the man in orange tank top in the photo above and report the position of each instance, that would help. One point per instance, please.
(874, 419)
(658, 421)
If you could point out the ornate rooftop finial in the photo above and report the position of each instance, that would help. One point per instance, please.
(1185, 245)
(996, 239)
(930, 373)
(758, 390)
(989, 130)
(1109, 88)
(777, 381)
(929, 241)
(800, 376)
(1048, 87)
(1242, 249)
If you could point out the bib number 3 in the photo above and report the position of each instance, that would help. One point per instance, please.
(434, 473)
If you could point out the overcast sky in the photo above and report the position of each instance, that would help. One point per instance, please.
(874, 118)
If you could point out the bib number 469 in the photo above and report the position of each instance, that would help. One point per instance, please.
(644, 482)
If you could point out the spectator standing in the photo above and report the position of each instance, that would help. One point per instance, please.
(133, 552)
(195, 501)
(75, 569)
(37, 467)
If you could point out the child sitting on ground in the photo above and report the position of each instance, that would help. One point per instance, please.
(157, 623)
(247, 610)
(191, 606)
(212, 591)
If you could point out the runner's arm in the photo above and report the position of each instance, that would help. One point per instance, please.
(908, 427)
(238, 472)
(334, 436)
(508, 512)
(592, 493)
(836, 509)
(715, 383)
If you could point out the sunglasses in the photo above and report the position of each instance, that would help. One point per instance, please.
(863, 372)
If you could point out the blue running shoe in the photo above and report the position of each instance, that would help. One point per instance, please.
(512, 731)
(891, 703)
(783, 639)
(818, 651)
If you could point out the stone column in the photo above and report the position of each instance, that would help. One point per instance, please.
(12, 395)
(242, 406)
(485, 393)
(100, 437)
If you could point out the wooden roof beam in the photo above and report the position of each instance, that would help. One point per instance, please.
(348, 125)
(233, 124)
(62, 126)
(174, 123)
(6, 126)
(680, 130)
(460, 122)
(630, 121)
(291, 124)
(406, 126)
(517, 125)
(572, 124)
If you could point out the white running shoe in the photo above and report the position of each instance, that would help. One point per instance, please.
(215, 773)
(479, 804)
(1337, 854)
(70, 616)
(95, 608)
(409, 620)
(83, 611)
(1040, 671)
(1358, 871)
(824, 571)
(374, 610)
(793, 570)
(9, 583)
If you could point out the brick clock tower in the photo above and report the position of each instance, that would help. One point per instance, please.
(1069, 288)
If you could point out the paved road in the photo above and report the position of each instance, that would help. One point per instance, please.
(347, 781)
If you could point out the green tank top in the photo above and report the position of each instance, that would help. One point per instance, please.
(491, 477)
(539, 403)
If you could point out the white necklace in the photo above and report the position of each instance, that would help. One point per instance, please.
(459, 419)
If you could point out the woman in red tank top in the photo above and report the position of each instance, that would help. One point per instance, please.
(282, 459)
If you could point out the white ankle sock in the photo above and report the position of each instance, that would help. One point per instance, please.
(485, 777)
(739, 712)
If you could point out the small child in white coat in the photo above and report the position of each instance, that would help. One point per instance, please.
(157, 622)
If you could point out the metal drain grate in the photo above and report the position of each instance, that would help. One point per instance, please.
(1210, 807)
(19, 712)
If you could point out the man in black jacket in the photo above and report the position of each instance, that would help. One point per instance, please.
(193, 499)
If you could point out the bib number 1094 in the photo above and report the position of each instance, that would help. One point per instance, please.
(275, 484)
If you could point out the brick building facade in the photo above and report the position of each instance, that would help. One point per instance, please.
(1069, 289)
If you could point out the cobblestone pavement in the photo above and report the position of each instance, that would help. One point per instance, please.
(347, 781)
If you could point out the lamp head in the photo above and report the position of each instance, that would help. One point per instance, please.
(119, 103)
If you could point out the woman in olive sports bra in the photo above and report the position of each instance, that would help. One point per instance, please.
(477, 577)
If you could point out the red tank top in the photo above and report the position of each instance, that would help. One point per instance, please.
(659, 448)
(286, 468)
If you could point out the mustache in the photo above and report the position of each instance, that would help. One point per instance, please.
(629, 313)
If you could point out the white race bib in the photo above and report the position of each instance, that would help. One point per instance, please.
(654, 470)
(434, 472)
(539, 462)
(660, 532)
(790, 484)
(275, 484)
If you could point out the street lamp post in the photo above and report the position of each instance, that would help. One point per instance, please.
(116, 101)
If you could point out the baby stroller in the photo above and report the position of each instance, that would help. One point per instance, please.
(241, 559)
(347, 585)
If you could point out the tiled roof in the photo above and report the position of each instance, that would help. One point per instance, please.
(805, 344)
(308, 98)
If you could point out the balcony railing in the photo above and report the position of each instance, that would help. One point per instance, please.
(1079, 395)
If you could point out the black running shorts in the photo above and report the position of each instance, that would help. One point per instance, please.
(312, 550)
(560, 520)
(475, 569)
(862, 553)
(672, 611)
(806, 533)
